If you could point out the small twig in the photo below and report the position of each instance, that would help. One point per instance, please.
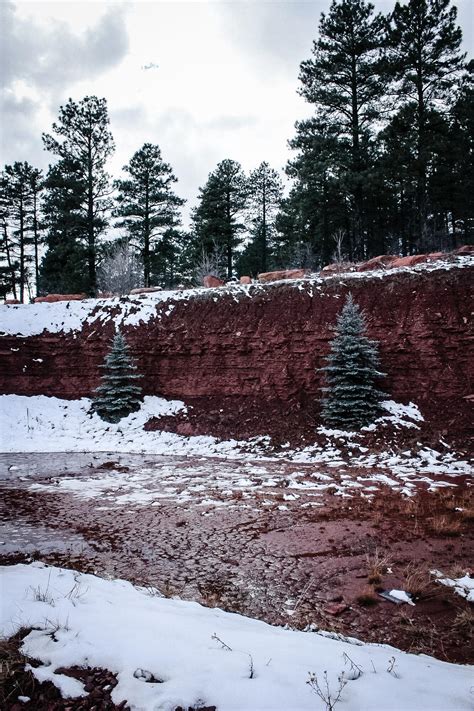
(391, 667)
(224, 645)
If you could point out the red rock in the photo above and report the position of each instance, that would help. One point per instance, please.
(51, 298)
(465, 249)
(146, 290)
(211, 281)
(12, 302)
(245, 280)
(285, 274)
(335, 608)
(409, 261)
(434, 256)
(283, 340)
(381, 262)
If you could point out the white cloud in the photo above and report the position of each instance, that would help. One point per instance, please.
(225, 84)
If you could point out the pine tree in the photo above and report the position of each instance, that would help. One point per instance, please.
(118, 395)
(344, 83)
(265, 192)
(217, 218)
(147, 205)
(64, 267)
(351, 399)
(425, 62)
(84, 137)
(20, 193)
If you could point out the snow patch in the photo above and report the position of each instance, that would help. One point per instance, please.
(193, 652)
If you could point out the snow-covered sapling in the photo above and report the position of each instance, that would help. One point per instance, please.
(118, 395)
(351, 398)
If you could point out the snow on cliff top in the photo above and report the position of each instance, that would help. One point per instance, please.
(168, 652)
(71, 316)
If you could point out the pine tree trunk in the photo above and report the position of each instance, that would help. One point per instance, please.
(9, 260)
(35, 237)
(229, 236)
(90, 219)
(146, 246)
(22, 252)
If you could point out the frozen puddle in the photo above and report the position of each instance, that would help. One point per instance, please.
(27, 538)
(210, 482)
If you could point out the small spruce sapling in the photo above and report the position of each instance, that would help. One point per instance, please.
(118, 395)
(351, 398)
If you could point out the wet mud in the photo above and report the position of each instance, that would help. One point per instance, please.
(276, 544)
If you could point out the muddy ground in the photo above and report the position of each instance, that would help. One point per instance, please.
(299, 559)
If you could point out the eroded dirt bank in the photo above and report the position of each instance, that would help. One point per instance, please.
(255, 348)
(273, 544)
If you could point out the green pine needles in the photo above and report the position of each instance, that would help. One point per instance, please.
(118, 395)
(351, 398)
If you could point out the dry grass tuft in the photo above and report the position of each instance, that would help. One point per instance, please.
(367, 598)
(445, 526)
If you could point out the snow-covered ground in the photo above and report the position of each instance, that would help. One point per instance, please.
(340, 464)
(168, 653)
(71, 316)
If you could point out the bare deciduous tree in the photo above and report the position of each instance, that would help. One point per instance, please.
(120, 271)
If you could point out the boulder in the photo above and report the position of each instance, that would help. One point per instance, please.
(285, 274)
(409, 261)
(465, 249)
(146, 290)
(51, 298)
(434, 256)
(12, 302)
(245, 280)
(210, 281)
(337, 268)
(381, 262)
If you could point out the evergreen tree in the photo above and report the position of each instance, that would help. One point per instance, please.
(265, 191)
(351, 396)
(83, 137)
(424, 61)
(148, 206)
(9, 266)
(64, 267)
(36, 187)
(217, 218)
(317, 204)
(343, 80)
(118, 395)
(19, 197)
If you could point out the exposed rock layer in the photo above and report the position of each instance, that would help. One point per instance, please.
(270, 346)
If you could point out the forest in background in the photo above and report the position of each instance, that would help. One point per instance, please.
(383, 165)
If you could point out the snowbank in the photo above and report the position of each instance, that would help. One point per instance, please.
(135, 633)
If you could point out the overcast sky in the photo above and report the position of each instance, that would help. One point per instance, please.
(203, 80)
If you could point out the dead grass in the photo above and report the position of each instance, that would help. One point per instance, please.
(378, 564)
(445, 526)
(14, 680)
(464, 623)
(367, 598)
(419, 583)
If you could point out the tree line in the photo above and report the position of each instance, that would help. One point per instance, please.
(384, 164)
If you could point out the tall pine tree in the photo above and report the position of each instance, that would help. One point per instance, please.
(148, 206)
(218, 218)
(343, 81)
(64, 267)
(265, 192)
(351, 398)
(424, 61)
(82, 135)
(118, 395)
